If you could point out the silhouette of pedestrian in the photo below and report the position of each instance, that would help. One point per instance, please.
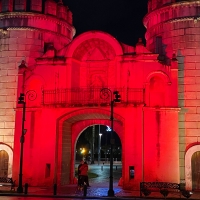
(79, 174)
(84, 174)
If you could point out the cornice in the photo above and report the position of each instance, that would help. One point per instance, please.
(34, 21)
(169, 8)
(163, 109)
(51, 61)
(34, 29)
(35, 16)
(171, 21)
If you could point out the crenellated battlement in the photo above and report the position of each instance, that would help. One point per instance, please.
(48, 16)
(49, 7)
(176, 11)
(156, 4)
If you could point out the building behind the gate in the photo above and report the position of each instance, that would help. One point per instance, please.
(62, 79)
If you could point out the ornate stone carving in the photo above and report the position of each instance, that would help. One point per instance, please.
(97, 76)
(94, 49)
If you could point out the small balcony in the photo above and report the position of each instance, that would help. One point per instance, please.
(89, 97)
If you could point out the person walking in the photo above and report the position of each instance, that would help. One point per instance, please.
(84, 174)
(79, 174)
(86, 178)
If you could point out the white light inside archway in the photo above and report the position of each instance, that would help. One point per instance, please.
(108, 129)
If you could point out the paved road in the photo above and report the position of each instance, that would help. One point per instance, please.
(33, 198)
(103, 172)
(64, 198)
(100, 184)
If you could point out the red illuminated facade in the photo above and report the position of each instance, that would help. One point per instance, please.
(156, 121)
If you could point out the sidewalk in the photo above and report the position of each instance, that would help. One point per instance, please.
(99, 188)
(93, 192)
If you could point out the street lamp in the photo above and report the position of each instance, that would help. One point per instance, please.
(106, 93)
(21, 100)
(99, 154)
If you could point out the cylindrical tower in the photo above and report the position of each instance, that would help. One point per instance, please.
(173, 27)
(27, 28)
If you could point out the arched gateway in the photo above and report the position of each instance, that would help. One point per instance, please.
(69, 127)
(68, 84)
(70, 90)
(66, 73)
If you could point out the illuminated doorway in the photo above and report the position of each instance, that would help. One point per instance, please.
(3, 163)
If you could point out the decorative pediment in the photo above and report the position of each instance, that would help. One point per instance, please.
(94, 49)
(94, 54)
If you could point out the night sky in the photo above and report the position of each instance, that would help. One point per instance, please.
(120, 18)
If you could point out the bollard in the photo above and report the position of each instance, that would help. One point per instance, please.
(55, 189)
(85, 189)
(26, 188)
(116, 167)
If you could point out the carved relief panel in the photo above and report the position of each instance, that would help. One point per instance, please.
(97, 75)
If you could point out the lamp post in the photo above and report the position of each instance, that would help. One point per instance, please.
(106, 93)
(108, 129)
(21, 100)
(99, 154)
(92, 149)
